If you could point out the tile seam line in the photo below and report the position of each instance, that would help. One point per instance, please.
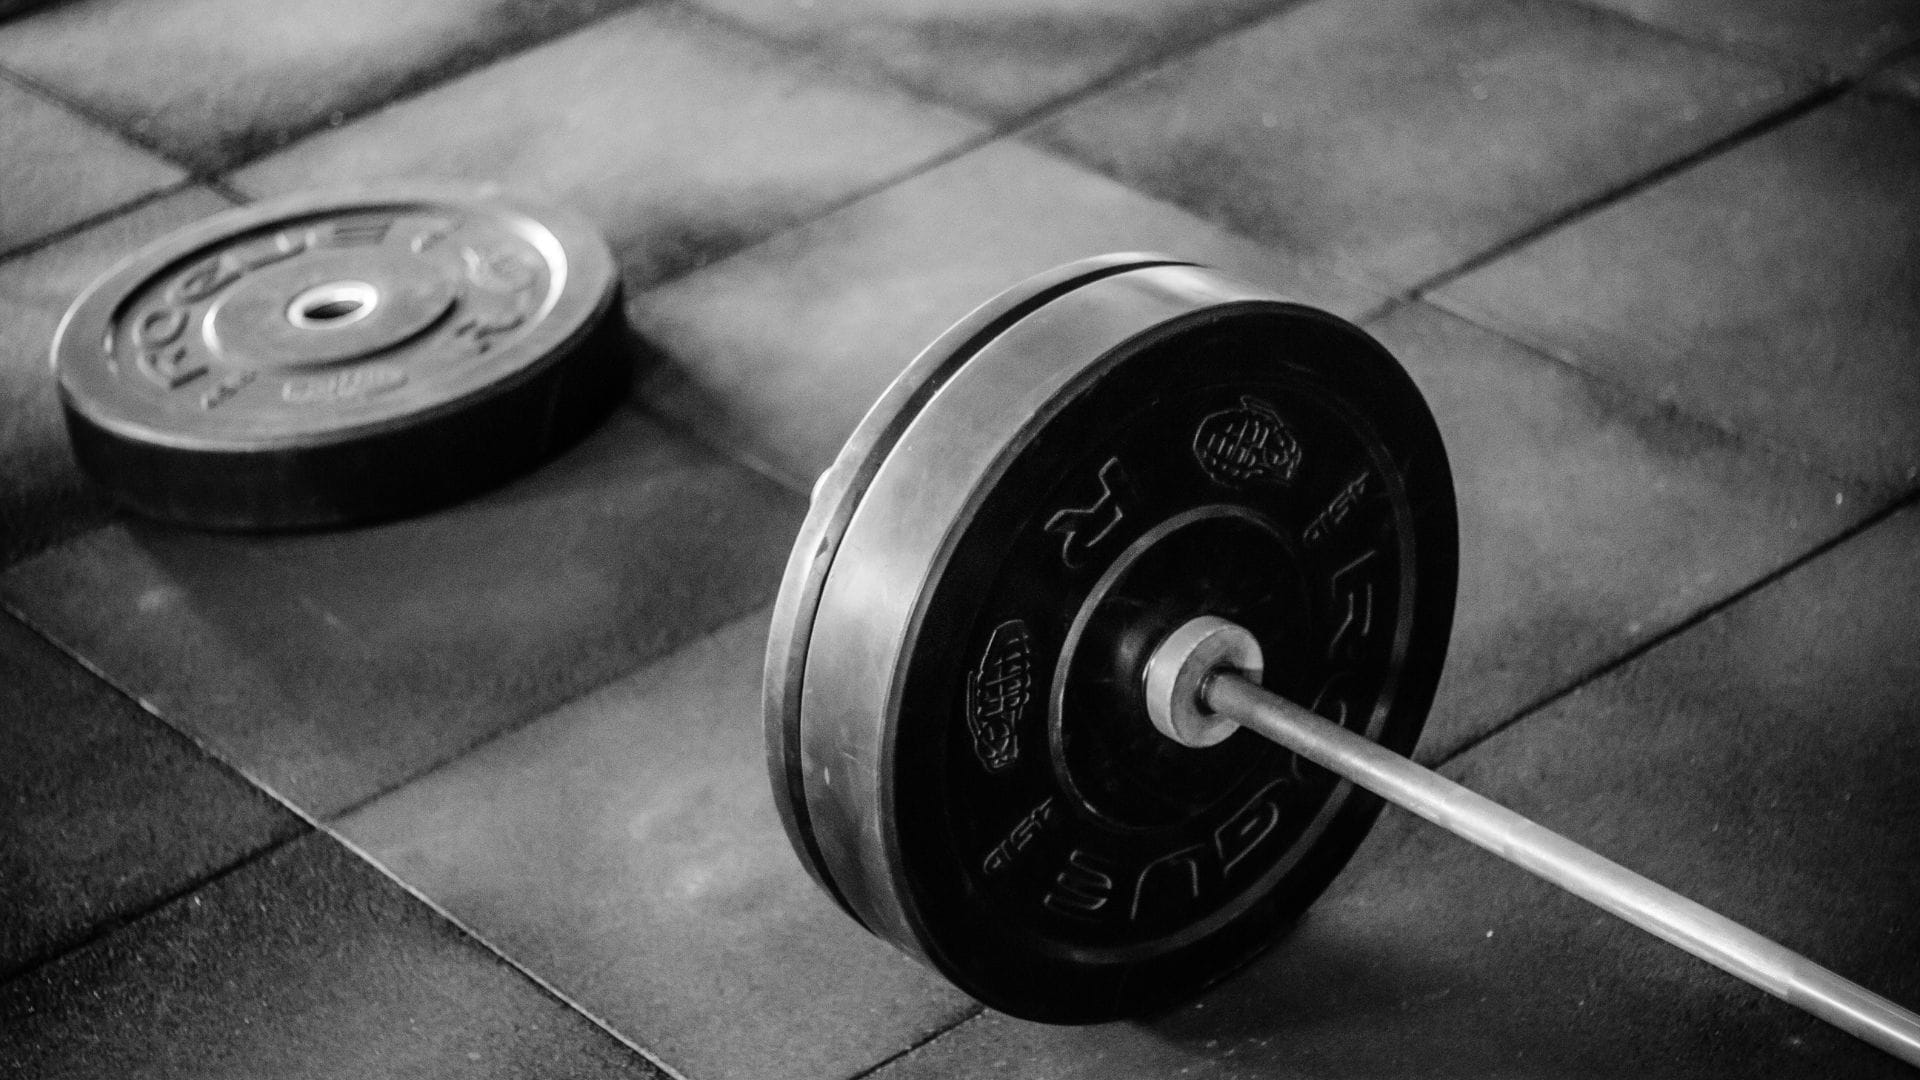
(1699, 616)
(214, 754)
(817, 59)
(329, 828)
(973, 1012)
(539, 982)
(1772, 454)
(835, 63)
(310, 823)
(993, 131)
(97, 119)
(206, 750)
(1392, 298)
(1767, 452)
(1785, 63)
(711, 443)
(440, 764)
(960, 148)
(213, 176)
(108, 927)
(873, 73)
(1034, 117)
(1386, 296)
(1824, 88)
(1572, 213)
(1023, 123)
(93, 221)
(314, 826)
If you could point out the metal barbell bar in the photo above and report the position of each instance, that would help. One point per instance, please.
(1203, 681)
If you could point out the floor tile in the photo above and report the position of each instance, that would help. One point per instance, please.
(42, 495)
(682, 141)
(780, 350)
(104, 810)
(1774, 289)
(1001, 58)
(1590, 518)
(60, 169)
(214, 82)
(330, 666)
(1761, 763)
(1839, 34)
(1400, 139)
(307, 964)
(626, 849)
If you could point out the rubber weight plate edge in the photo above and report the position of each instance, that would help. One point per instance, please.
(852, 739)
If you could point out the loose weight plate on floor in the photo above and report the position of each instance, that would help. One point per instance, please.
(954, 711)
(339, 357)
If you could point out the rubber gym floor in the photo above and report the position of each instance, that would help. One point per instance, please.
(481, 792)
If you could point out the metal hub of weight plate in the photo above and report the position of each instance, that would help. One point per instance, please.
(955, 718)
(340, 357)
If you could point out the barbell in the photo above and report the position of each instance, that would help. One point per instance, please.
(1087, 549)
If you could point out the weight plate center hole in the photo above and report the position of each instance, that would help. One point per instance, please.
(333, 305)
(1108, 750)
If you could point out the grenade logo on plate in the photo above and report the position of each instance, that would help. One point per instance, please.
(998, 690)
(1247, 445)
